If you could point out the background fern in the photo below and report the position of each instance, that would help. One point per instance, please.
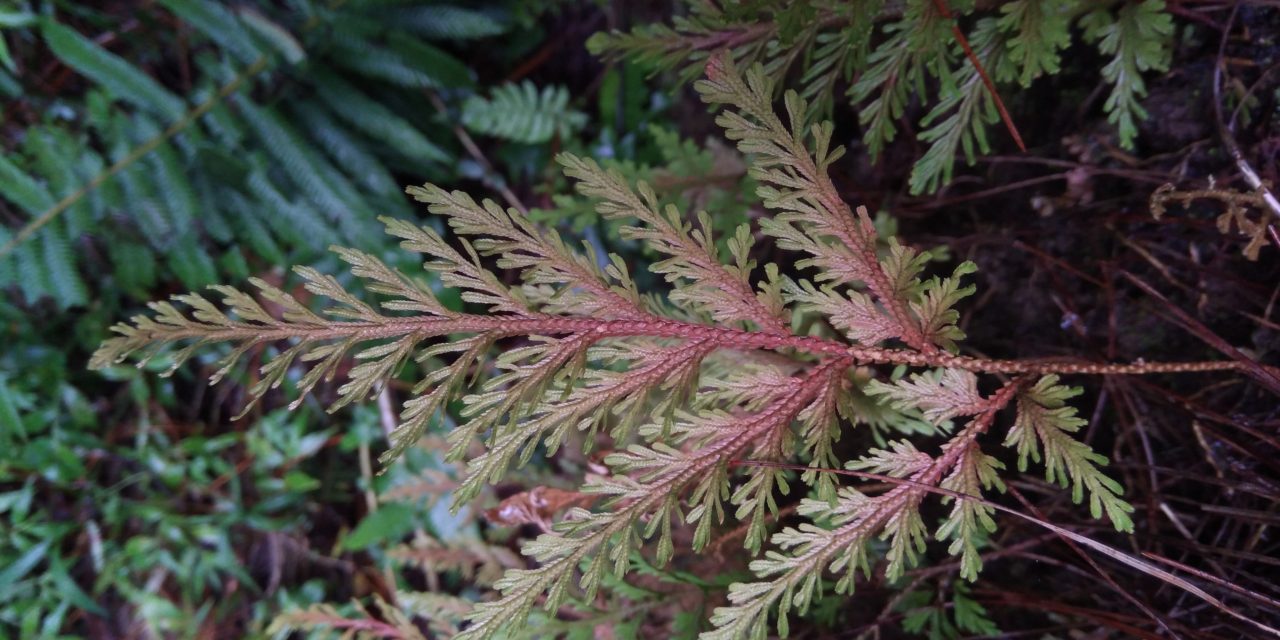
(885, 57)
(194, 174)
(522, 113)
(176, 144)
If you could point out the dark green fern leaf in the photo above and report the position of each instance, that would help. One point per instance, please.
(125, 81)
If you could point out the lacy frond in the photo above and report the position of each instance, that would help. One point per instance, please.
(732, 365)
(1044, 425)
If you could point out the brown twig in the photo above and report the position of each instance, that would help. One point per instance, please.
(941, 6)
(476, 154)
(1263, 375)
(1228, 140)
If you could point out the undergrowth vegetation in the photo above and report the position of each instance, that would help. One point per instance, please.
(887, 56)
(777, 370)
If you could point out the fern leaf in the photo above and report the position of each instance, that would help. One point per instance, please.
(20, 188)
(1036, 30)
(53, 272)
(793, 161)
(125, 81)
(935, 305)
(297, 160)
(65, 283)
(1044, 420)
(1138, 37)
(522, 113)
(193, 265)
(248, 225)
(691, 392)
(293, 222)
(375, 120)
(33, 279)
(970, 522)
(406, 62)
(916, 46)
(959, 120)
(664, 473)
(276, 36)
(447, 22)
(721, 291)
(347, 152)
(8, 274)
(217, 22)
(541, 255)
(170, 182)
(65, 165)
(134, 267)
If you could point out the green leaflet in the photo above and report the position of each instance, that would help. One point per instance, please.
(522, 113)
(1139, 36)
(373, 119)
(125, 81)
(894, 56)
(448, 22)
(19, 187)
(219, 23)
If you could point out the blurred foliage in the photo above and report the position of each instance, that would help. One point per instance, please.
(162, 146)
(150, 147)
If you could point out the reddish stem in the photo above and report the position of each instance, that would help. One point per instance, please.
(722, 337)
(941, 6)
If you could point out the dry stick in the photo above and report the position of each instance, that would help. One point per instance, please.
(1204, 575)
(1224, 131)
(138, 152)
(1098, 569)
(1108, 551)
(941, 6)
(1259, 373)
(477, 155)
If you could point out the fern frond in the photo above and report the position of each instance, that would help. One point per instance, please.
(541, 255)
(347, 152)
(721, 291)
(448, 22)
(122, 79)
(375, 120)
(219, 23)
(688, 42)
(22, 189)
(325, 621)
(65, 283)
(940, 395)
(522, 113)
(916, 46)
(794, 180)
(959, 120)
(604, 540)
(970, 521)
(1139, 38)
(690, 393)
(1045, 420)
(1036, 30)
(791, 578)
(405, 61)
(304, 167)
